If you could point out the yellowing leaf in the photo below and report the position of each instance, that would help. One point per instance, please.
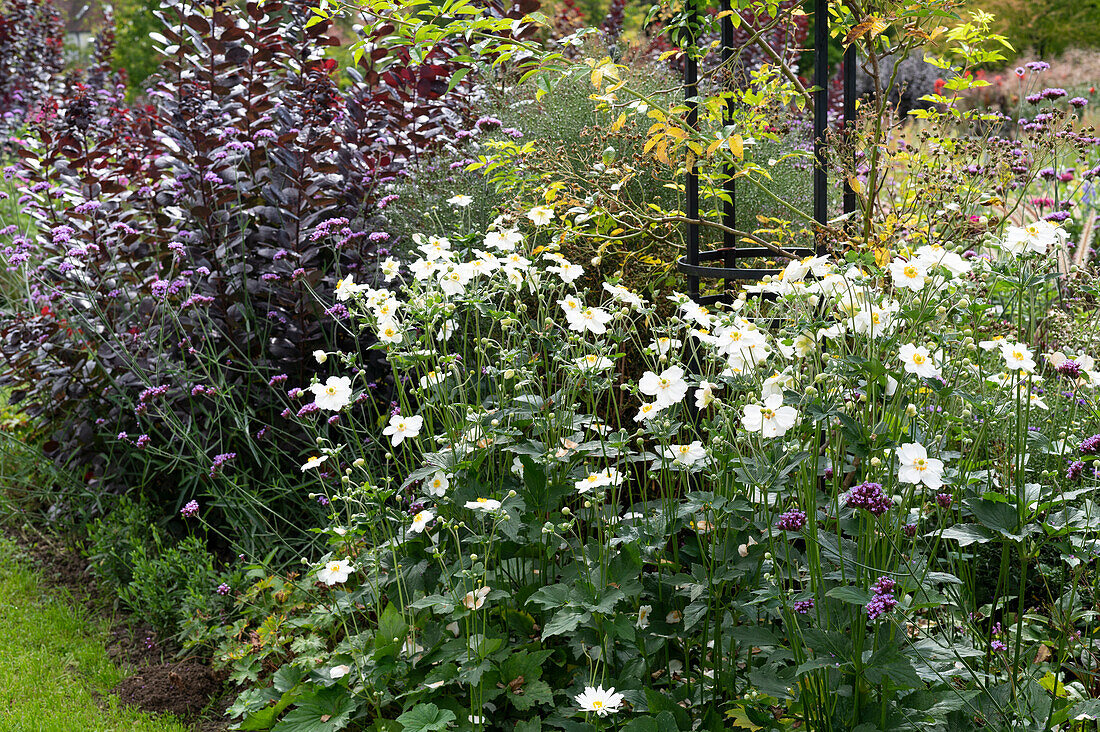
(739, 719)
(870, 27)
(618, 124)
(737, 146)
(854, 184)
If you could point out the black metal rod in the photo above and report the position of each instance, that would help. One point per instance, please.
(729, 209)
(821, 112)
(691, 94)
(850, 62)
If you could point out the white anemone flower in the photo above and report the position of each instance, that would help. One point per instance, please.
(686, 455)
(916, 467)
(421, 520)
(918, 361)
(624, 295)
(666, 388)
(461, 200)
(422, 269)
(599, 700)
(339, 672)
(1037, 237)
(390, 268)
(504, 241)
(909, 274)
(401, 427)
(1017, 356)
(347, 289)
(643, 616)
(334, 572)
(313, 462)
(438, 484)
(647, 411)
(934, 255)
(390, 332)
(432, 378)
(541, 215)
(664, 344)
(589, 319)
(704, 395)
(476, 599)
(593, 363)
(333, 395)
(770, 419)
(488, 505)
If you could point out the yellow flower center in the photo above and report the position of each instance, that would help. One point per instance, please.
(1018, 355)
(910, 272)
(597, 704)
(919, 464)
(767, 414)
(918, 359)
(331, 390)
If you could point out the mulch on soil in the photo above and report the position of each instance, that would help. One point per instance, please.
(189, 689)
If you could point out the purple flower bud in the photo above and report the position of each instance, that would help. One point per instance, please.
(793, 520)
(190, 510)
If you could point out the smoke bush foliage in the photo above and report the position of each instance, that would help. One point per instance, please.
(185, 252)
(30, 56)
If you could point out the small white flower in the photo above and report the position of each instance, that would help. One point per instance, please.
(390, 268)
(488, 505)
(446, 331)
(686, 455)
(593, 363)
(390, 332)
(918, 361)
(704, 395)
(667, 388)
(599, 700)
(1036, 237)
(334, 572)
(334, 394)
(770, 419)
(339, 672)
(1037, 402)
(917, 467)
(908, 274)
(476, 599)
(438, 484)
(673, 617)
(347, 289)
(647, 411)
(504, 241)
(422, 269)
(567, 272)
(624, 295)
(589, 319)
(320, 356)
(541, 215)
(401, 427)
(643, 616)
(601, 479)
(432, 378)
(664, 344)
(313, 462)
(420, 521)
(1017, 356)
(461, 200)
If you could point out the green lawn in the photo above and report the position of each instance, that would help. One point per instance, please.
(54, 669)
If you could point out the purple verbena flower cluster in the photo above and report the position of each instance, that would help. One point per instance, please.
(870, 497)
